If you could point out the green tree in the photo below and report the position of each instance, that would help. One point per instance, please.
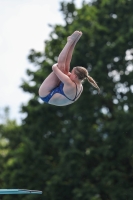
(85, 150)
(9, 139)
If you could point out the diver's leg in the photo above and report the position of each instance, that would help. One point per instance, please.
(48, 84)
(69, 56)
(65, 52)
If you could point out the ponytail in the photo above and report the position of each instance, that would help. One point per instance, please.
(82, 74)
(92, 82)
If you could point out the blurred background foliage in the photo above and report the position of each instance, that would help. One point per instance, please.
(85, 150)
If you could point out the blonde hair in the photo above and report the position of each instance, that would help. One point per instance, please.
(83, 74)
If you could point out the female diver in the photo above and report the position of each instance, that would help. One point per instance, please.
(61, 87)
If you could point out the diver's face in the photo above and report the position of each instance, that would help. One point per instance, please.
(73, 75)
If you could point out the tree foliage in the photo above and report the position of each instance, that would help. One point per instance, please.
(85, 150)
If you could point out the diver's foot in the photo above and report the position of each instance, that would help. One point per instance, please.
(74, 37)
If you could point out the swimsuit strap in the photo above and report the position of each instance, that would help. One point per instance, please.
(77, 92)
(80, 91)
(62, 92)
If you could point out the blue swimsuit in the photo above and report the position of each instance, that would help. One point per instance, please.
(59, 89)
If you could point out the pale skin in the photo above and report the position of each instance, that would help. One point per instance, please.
(61, 73)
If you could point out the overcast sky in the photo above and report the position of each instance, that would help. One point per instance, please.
(23, 26)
